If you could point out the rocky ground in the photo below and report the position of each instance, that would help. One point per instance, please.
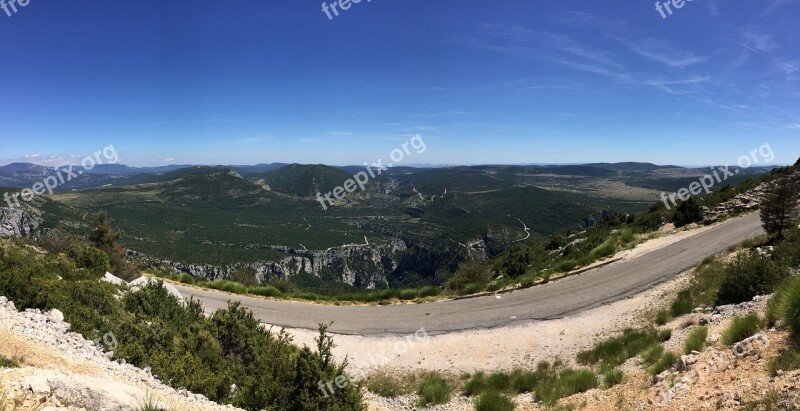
(719, 378)
(61, 371)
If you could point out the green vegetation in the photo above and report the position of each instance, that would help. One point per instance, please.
(386, 386)
(548, 382)
(434, 390)
(177, 341)
(696, 341)
(662, 317)
(493, 401)
(8, 362)
(683, 304)
(750, 275)
(791, 307)
(779, 207)
(665, 362)
(615, 351)
(613, 377)
(741, 328)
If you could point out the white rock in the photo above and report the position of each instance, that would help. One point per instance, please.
(111, 278)
(55, 316)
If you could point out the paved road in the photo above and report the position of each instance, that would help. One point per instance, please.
(554, 300)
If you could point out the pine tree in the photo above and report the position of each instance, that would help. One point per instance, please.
(779, 206)
(106, 239)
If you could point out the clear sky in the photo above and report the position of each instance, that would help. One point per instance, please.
(528, 81)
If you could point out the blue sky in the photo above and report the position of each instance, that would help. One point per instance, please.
(245, 82)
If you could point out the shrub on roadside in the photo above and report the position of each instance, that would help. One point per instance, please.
(682, 304)
(434, 390)
(750, 275)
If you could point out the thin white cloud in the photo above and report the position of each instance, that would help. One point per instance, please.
(661, 51)
(757, 41)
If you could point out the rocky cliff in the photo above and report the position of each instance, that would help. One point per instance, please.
(15, 222)
(356, 265)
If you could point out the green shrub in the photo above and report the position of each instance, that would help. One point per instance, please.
(662, 317)
(473, 288)
(613, 377)
(616, 351)
(385, 386)
(90, 258)
(576, 381)
(475, 385)
(741, 328)
(267, 291)
(434, 390)
(666, 362)
(605, 250)
(228, 286)
(8, 362)
(186, 279)
(750, 275)
(522, 382)
(791, 308)
(468, 273)
(682, 304)
(498, 381)
(653, 354)
(787, 360)
(493, 401)
(696, 340)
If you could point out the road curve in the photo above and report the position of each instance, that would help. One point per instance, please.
(554, 300)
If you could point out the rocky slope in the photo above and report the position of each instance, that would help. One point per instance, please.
(16, 222)
(61, 371)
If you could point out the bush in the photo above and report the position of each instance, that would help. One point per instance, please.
(688, 212)
(682, 304)
(475, 385)
(750, 275)
(615, 351)
(787, 360)
(267, 291)
(613, 377)
(522, 382)
(492, 401)
(741, 328)
(89, 258)
(468, 273)
(434, 390)
(473, 289)
(666, 362)
(696, 340)
(653, 354)
(662, 317)
(385, 386)
(791, 308)
(8, 363)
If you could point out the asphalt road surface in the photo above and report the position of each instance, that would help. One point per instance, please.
(554, 300)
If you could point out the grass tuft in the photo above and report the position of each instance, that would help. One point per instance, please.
(741, 328)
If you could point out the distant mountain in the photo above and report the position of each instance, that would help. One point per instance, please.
(305, 180)
(629, 166)
(259, 168)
